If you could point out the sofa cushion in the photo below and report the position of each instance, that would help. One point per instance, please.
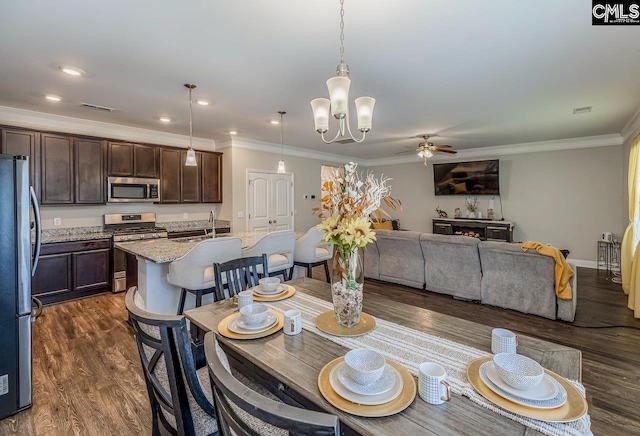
(371, 261)
(452, 265)
(401, 258)
(518, 280)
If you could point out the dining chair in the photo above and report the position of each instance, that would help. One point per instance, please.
(238, 275)
(310, 251)
(243, 411)
(177, 392)
(193, 272)
(279, 247)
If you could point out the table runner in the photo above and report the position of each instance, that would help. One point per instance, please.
(412, 347)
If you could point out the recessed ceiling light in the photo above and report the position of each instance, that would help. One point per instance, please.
(72, 71)
(232, 132)
(52, 97)
(203, 102)
(582, 110)
(274, 122)
(165, 119)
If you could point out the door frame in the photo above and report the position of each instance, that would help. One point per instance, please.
(246, 201)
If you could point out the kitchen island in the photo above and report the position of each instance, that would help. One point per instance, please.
(154, 257)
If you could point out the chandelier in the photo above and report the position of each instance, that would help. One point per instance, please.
(338, 102)
(191, 154)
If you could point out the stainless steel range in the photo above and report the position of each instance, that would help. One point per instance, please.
(130, 227)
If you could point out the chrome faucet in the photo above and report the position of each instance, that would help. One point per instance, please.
(212, 220)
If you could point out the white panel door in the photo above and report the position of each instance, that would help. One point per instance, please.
(270, 201)
(282, 207)
(259, 201)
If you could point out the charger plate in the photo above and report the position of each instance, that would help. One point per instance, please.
(394, 406)
(224, 330)
(328, 323)
(288, 293)
(574, 408)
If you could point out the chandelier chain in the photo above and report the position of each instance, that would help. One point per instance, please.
(341, 31)
(281, 133)
(190, 120)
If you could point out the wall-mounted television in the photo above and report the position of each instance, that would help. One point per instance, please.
(481, 177)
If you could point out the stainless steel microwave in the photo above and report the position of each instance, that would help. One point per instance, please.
(132, 190)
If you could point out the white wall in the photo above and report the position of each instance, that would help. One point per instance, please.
(565, 198)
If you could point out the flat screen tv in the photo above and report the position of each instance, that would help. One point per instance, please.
(479, 177)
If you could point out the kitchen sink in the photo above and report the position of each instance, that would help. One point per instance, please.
(192, 239)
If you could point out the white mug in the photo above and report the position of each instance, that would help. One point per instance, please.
(432, 386)
(292, 322)
(244, 298)
(503, 341)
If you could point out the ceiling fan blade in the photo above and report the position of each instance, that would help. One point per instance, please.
(441, 146)
(406, 152)
(445, 151)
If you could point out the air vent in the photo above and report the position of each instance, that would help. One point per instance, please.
(95, 107)
(582, 110)
(345, 141)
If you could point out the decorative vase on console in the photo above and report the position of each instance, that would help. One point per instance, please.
(471, 204)
(346, 206)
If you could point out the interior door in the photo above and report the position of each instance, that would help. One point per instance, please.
(270, 205)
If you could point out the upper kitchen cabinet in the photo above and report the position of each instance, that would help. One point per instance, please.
(89, 171)
(212, 177)
(170, 175)
(57, 168)
(24, 143)
(191, 181)
(132, 160)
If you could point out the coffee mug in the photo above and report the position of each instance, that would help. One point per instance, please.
(503, 341)
(432, 386)
(292, 322)
(244, 298)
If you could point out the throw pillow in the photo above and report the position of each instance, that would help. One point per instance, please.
(384, 225)
(459, 187)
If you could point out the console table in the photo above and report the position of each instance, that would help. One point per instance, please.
(486, 230)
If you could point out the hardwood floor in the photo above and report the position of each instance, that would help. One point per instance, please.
(88, 381)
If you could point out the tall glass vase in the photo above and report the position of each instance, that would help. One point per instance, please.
(347, 279)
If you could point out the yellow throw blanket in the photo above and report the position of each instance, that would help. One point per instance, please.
(563, 270)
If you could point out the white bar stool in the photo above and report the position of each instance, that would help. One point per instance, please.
(310, 251)
(279, 247)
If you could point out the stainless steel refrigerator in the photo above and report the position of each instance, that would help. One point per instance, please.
(18, 262)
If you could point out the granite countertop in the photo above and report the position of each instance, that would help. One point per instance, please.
(168, 250)
(186, 226)
(52, 236)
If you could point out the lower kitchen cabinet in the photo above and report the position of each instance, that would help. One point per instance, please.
(69, 270)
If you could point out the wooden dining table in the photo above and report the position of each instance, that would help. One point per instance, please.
(289, 366)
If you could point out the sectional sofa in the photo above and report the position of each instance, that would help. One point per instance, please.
(494, 273)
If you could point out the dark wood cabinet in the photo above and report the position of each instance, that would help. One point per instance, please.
(132, 160)
(170, 175)
(120, 159)
(57, 169)
(24, 143)
(211, 177)
(145, 161)
(191, 181)
(483, 229)
(72, 269)
(89, 171)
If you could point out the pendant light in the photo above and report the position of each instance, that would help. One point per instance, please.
(281, 169)
(191, 154)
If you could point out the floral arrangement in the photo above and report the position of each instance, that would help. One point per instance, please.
(472, 204)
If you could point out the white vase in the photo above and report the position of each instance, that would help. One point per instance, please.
(471, 214)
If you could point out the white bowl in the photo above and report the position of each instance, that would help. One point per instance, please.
(269, 284)
(518, 371)
(254, 314)
(364, 366)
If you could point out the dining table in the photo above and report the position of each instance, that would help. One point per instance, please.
(289, 365)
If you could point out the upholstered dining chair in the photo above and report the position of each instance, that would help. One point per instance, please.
(243, 411)
(238, 275)
(193, 272)
(310, 251)
(279, 247)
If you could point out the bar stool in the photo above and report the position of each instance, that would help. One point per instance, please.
(279, 247)
(193, 272)
(310, 251)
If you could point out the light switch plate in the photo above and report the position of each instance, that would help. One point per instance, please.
(185, 215)
(57, 221)
(241, 214)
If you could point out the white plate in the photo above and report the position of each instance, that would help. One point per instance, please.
(236, 325)
(365, 400)
(546, 390)
(281, 289)
(553, 403)
(384, 384)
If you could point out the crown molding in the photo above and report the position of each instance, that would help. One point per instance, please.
(59, 123)
(632, 128)
(504, 150)
(287, 150)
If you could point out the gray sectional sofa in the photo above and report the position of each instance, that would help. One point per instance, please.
(494, 273)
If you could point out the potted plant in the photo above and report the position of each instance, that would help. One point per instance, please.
(472, 205)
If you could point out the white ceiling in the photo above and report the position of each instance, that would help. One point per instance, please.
(476, 73)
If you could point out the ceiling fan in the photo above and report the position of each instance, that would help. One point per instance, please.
(426, 149)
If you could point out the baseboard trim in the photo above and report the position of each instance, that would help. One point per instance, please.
(584, 263)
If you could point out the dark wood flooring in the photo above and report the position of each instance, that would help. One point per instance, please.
(88, 381)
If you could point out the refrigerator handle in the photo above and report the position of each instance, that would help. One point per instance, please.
(36, 213)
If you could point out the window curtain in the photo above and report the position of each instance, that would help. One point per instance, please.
(629, 250)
